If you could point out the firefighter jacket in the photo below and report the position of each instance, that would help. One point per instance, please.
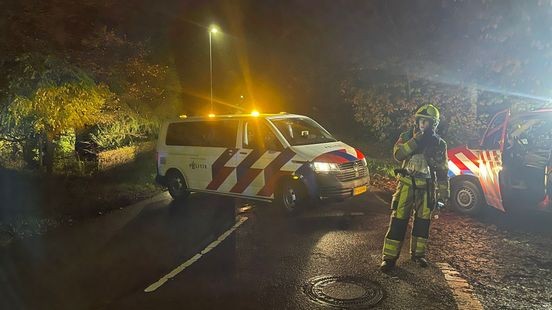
(425, 157)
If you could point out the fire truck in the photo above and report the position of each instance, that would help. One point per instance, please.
(509, 168)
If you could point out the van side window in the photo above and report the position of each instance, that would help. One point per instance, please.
(203, 133)
(257, 135)
(222, 133)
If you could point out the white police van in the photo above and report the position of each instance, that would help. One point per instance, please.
(284, 157)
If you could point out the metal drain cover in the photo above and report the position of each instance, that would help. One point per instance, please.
(343, 291)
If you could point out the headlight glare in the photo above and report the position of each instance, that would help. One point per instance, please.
(322, 167)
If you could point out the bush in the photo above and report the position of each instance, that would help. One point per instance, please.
(380, 167)
(11, 155)
(386, 109)
(123, 132)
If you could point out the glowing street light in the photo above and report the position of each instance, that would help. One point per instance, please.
(212, 30)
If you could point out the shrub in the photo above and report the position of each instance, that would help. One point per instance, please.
(386, 109)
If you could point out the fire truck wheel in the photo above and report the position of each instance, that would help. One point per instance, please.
(467, 197)
(291, 197)
(177, 185)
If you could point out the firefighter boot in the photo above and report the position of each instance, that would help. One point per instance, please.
(387, 265)
(421, 261)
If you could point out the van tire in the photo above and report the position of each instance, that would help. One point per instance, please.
(467, 197)
(177, 186)
(291, 197)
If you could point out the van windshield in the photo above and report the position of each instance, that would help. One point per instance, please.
(302, 131)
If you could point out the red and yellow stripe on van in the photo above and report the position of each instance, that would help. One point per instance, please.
(485, 165)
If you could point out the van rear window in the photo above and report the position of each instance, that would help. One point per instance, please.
(203, 133)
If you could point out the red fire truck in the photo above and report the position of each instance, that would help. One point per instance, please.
(510, 168)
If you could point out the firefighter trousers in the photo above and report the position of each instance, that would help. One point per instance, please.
(409, 200)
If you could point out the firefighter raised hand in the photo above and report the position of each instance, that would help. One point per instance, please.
(425, 165)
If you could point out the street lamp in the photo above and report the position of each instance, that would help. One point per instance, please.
(212, 30)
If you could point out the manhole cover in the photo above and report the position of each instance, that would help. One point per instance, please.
(343, 291)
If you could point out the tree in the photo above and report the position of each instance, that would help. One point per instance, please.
(387, 108)
(48, 96)
(100, 70)
(147, 87)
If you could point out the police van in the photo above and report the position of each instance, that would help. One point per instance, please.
(282, 157)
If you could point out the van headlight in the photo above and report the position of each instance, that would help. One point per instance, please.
(321, 167)
(364, 162)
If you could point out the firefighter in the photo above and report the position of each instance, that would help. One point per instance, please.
(422, 182)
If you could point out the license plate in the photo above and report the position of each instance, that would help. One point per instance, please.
(359, 190)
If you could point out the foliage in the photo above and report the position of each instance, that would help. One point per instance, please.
(66, 143)
(65, 160)
(120, 96)
(11, 155)
(45, 97)
(55, 109)
(51, 96)
(385, 109)
(381, 167)
(144, 86)
(122, 132)
(79, 74)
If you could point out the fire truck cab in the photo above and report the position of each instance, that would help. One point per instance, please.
(509, 169)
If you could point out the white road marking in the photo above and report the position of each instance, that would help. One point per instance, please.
(246, 208)
(196, 257)
(461, 289)
(382, 200)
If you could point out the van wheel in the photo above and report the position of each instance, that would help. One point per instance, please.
(467, 197)
(291, 197)
(177, 185)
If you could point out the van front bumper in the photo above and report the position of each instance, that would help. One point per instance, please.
(329, 187)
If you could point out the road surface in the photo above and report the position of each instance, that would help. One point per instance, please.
(215, 252)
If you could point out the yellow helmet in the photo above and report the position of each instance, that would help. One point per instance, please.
(429, 111)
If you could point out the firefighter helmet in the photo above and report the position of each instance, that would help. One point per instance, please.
(428, 111)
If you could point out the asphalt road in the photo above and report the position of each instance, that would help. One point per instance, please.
(268, 262)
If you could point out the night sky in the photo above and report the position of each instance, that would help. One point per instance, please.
(295, 52)
(292, 55)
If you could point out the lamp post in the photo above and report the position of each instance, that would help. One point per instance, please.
(212, 30)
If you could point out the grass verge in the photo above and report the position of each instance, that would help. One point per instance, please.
(33, 204)
(381, 173)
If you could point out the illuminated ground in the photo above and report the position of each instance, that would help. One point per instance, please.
(266, 262)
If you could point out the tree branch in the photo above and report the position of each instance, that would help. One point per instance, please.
(13, 139)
